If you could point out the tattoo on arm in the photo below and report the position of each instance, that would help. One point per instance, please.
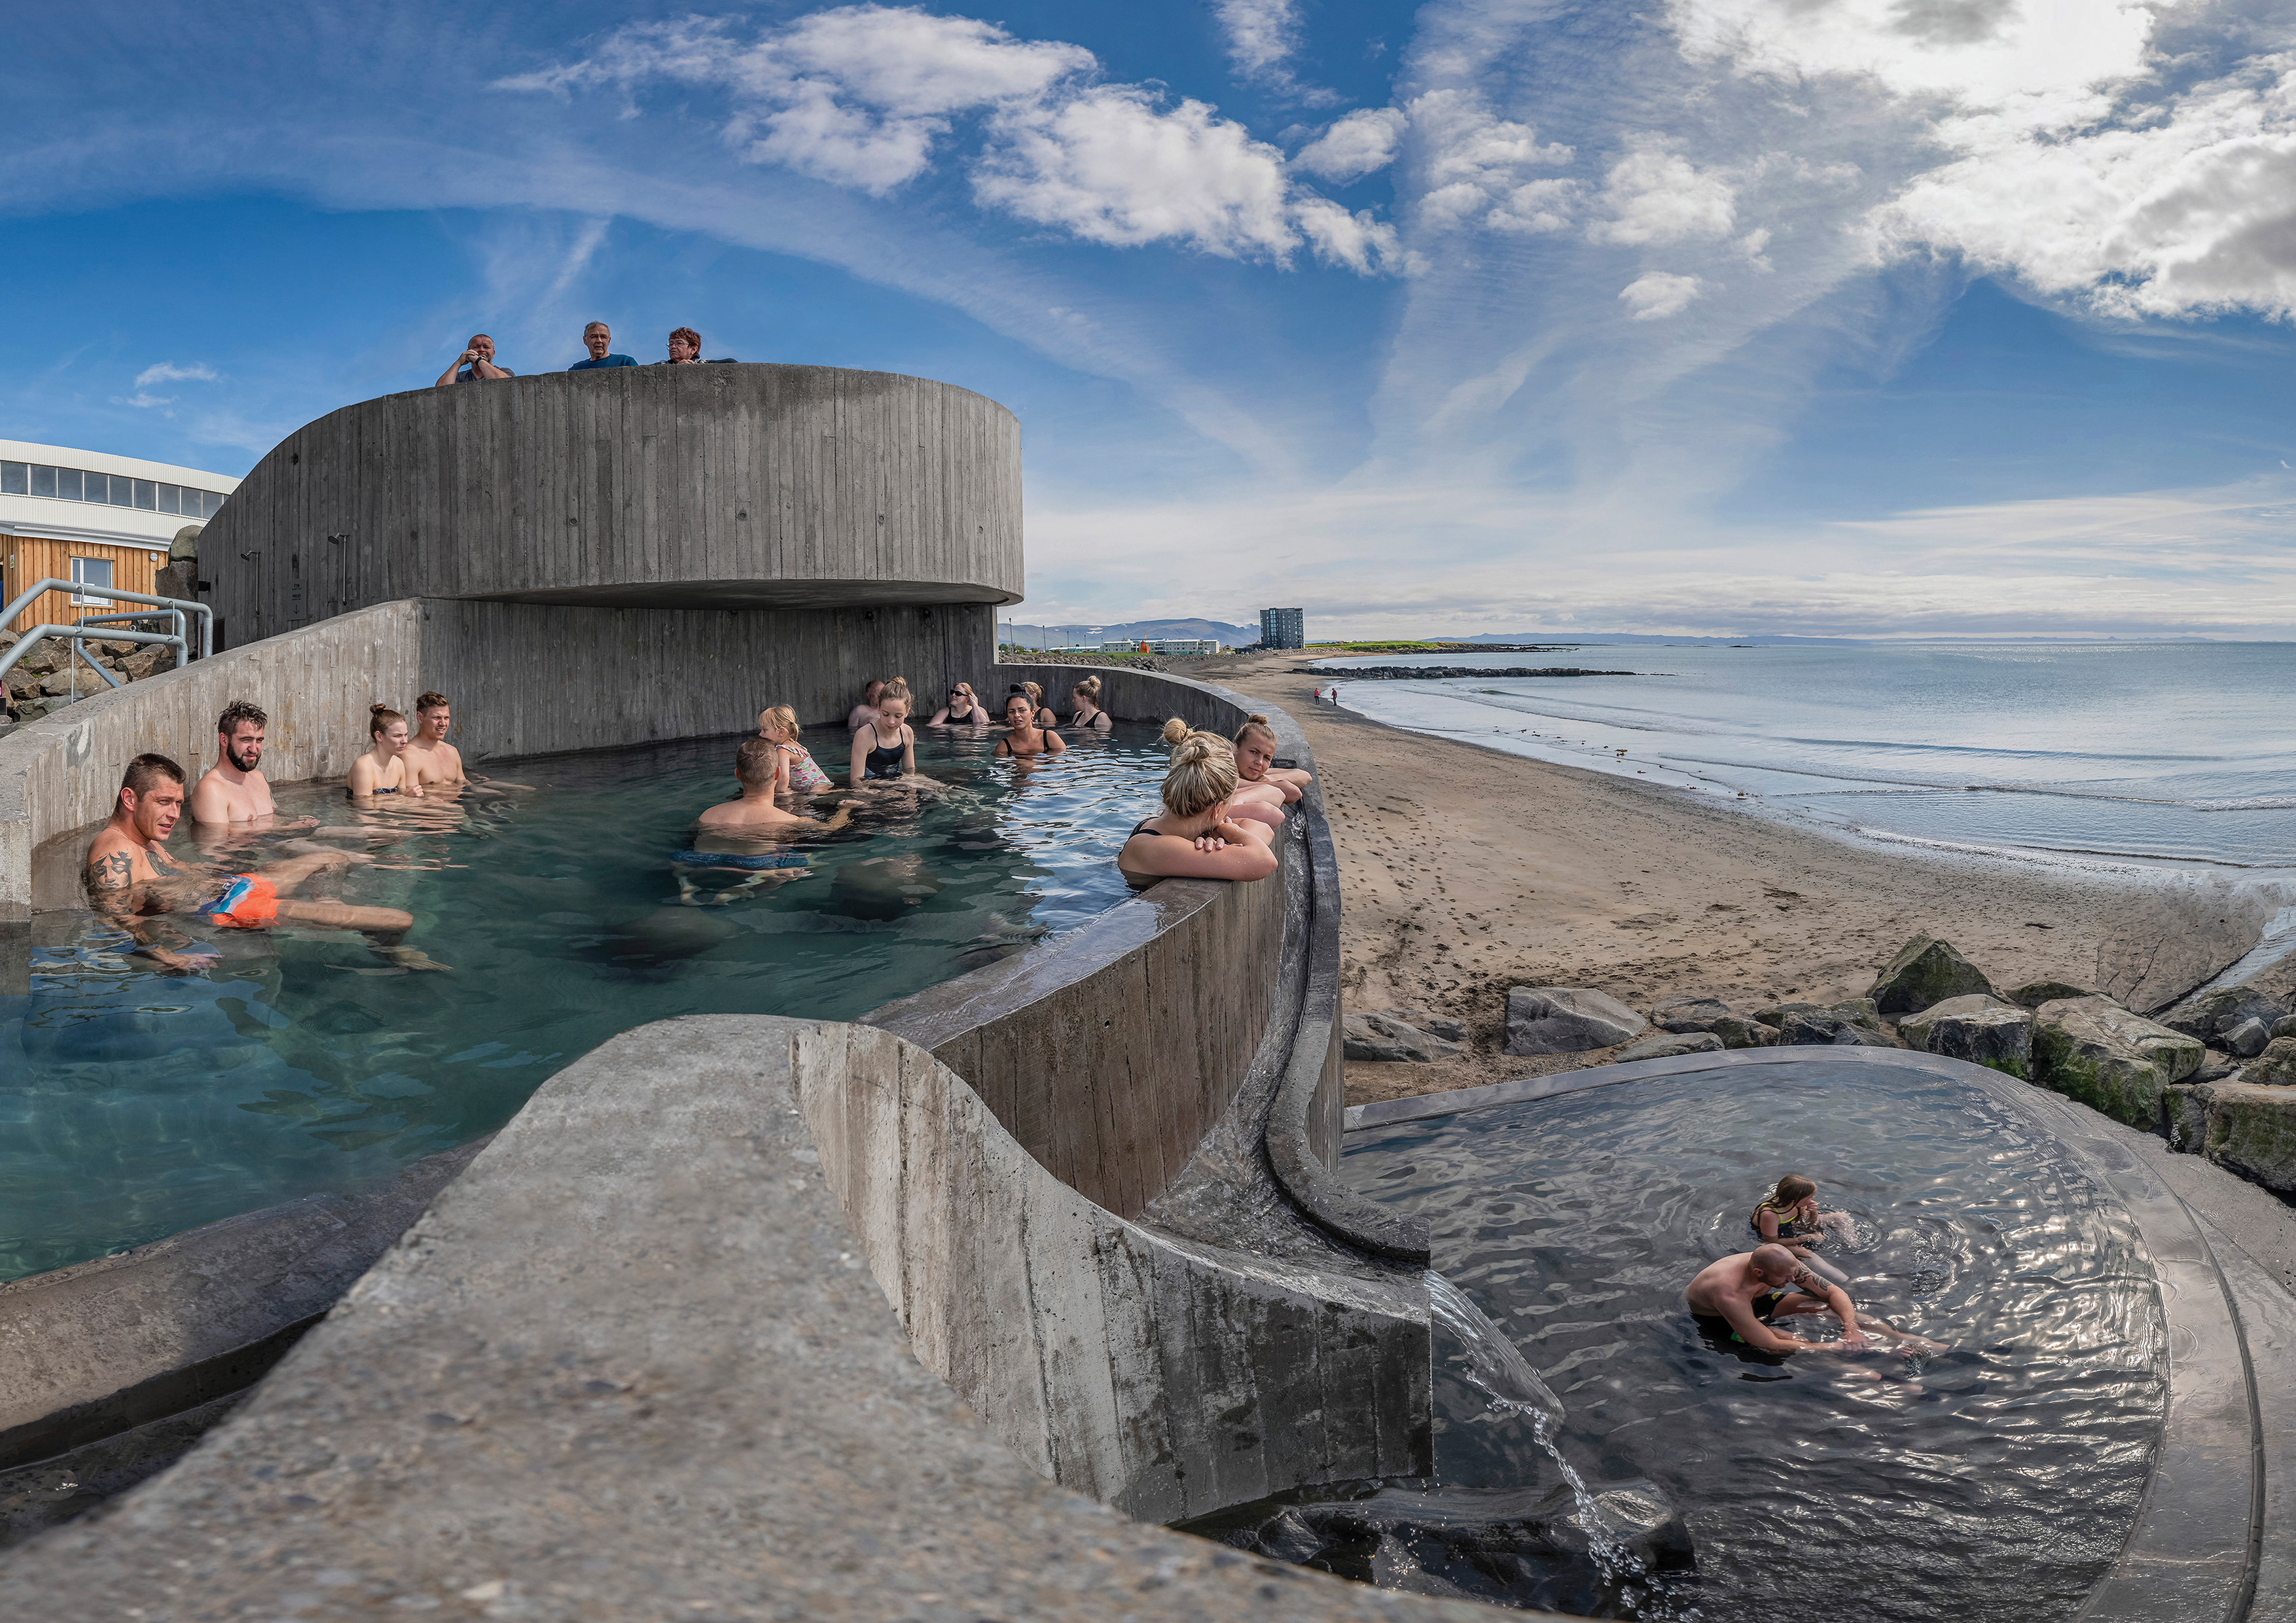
(1809, 1283)
(111, 885)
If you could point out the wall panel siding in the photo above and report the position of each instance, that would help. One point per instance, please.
(31, 558)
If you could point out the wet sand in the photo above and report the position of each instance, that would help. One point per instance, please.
(1464, 871)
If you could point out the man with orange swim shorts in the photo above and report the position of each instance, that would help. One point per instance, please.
(132, 880)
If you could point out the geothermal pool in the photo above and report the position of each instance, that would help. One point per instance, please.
(1996, 1481)
(136, 1102)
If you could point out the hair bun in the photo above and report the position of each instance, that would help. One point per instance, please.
(1254, 721)
(379, 709)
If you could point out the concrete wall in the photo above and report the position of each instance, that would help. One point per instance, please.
(690, 487)
(632, 1365)
(524, 680)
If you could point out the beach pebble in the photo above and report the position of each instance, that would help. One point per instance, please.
(1567, 1020)
(1708, 1014)
(1671, 1045)
(2093, 1050)
(1983, 1031)
(1381, 1037)
(1926, 971)
(2214, 1015)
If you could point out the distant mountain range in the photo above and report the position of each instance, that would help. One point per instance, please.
(1133, 631)
(1637, 637)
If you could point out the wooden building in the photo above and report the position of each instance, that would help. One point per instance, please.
(31, 558)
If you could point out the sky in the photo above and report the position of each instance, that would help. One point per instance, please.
(1829, 317)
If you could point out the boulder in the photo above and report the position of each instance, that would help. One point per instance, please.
(1711, 1015)
(1852, 1024)
(1566, 1019)
(2275, 1066)
(1379, 1037)
(1926, 971)
(2184, 1117)
(2251, 1131)
(2247, 1038)
(44, 659)
(2033, 994)
(2284, 1027)
(1775, 1015)
(2093, 1050)
(1673, 1044)
(63, 684)
(1434, 1025)
(2215, 1067)
(1983, 1031)
(149, 660)
(2211, 1015)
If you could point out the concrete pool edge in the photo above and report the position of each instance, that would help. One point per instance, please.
(635, 1358)
(2203, 1535)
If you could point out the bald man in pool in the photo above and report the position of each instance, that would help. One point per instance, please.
(1742, 1294)
(133, 880)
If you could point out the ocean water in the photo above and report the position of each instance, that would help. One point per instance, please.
(2174, 753)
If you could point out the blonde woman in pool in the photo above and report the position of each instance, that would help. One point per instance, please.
(1255, 760)
(1258, 802)
(1195, 837)
(963, 709)
(1084, 714)
(382, 769)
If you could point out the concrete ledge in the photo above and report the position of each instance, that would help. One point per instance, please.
(2202, 1537)
(632, 1365)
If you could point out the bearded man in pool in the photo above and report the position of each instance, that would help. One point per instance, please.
(1741, 1295)
(133, 880)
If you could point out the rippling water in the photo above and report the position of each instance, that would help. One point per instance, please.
(134, 1103)
(1995, 1481)
(2183, 753)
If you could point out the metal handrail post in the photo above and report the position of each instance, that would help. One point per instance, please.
(33, 593)
(73, 634)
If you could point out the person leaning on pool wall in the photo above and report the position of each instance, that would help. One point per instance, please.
(685, 350)
(1194, 837)
(1253, 802)
(598, 339)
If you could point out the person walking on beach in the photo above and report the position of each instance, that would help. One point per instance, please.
(1741, 1295)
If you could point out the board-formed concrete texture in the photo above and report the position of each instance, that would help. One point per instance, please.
(2214, 1540)
(708, 487)
(633, 1365)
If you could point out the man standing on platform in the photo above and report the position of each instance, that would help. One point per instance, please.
(477, 363)
(598, 339)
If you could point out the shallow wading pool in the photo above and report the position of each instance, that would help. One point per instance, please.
(134, 1103)
(1997, 1480)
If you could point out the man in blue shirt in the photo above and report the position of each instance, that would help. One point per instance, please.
(598, 338)
(476, 364)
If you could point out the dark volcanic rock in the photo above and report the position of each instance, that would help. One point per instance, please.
(2033, 994)
(1983, 1031)
(2212, 1016)
(2275, 1066)
(1512, 1546)
(1711, 1015)
(2247, 1038)
(2093, 1050)
(1926, 971)
(1566, 1019)
(1381, 1037)
(1673, 1044)
(1434, 1025)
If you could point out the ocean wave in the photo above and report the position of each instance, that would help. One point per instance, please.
(2253, 803)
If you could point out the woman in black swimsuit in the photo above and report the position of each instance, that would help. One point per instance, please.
(1025, 738)
(879, 754)
(382, 769)
(1087, 715)
(963, 709)
(1195, 837)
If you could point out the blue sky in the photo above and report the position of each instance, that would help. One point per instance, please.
(1881, 317)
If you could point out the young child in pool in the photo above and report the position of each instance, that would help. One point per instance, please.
(1788, 1216)
(795, 766)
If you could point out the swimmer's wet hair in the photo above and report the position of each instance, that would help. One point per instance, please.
(1089, 687)
(1791, 1189)
(753, 762)
(896, 687)
(966, 688)
(237, 711)
(778, 721)
(1202, 775)
(1177, 733)
(1035, 693)
(870, 689)
(379, 718)
(1256, 724)
(431, 700)
(146, 770)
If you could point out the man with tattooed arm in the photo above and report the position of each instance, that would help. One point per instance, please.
(132, 879)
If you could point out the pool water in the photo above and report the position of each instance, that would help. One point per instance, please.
(1997, 1480)
(136, 1102)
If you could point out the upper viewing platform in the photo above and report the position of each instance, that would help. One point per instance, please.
(723, 485)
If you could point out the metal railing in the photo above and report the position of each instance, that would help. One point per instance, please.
(78, 634)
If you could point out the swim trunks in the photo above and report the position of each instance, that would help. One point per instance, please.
(1765, 1306)
(248, 903)
(736, 859)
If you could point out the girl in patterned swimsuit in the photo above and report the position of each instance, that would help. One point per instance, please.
(798, 772)
(1788, 1216)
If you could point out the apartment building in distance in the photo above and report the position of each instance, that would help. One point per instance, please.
(1283, 629)
(93, 518)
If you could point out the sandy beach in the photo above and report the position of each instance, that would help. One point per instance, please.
(1465, 872)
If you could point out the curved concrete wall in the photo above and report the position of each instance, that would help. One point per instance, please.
(645, 487)
(631, 1364)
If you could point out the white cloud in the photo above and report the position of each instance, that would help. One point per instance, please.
(1114, 167)
(1470, 156)
(168, 372)
(1654, 195)
(144, 401)
(1360, 143)
(1542, 206)
(1656, 295)
(1261, 34)
(861, 96)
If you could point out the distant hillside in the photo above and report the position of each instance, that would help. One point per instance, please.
(1053, 636)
